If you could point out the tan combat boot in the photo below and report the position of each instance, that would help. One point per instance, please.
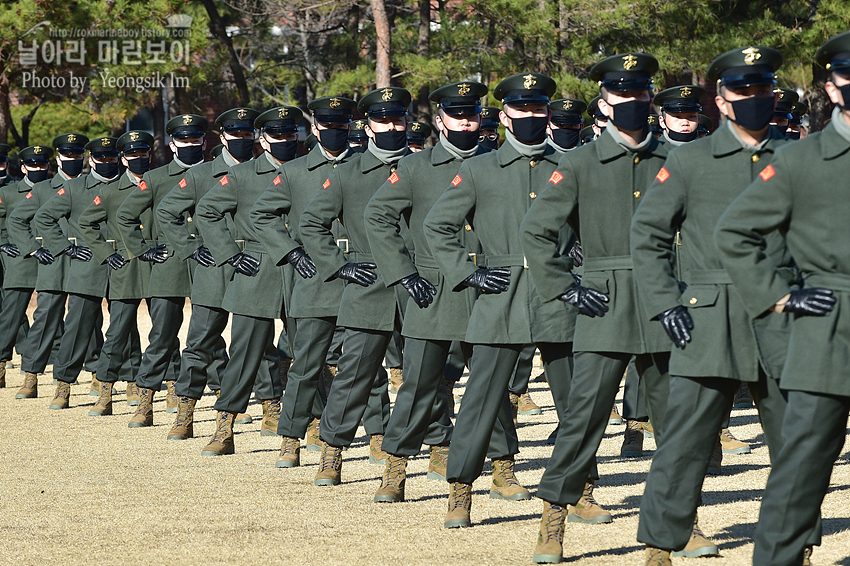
(505, 484)
(133, 397)
(241, 418)
(698, 545)
(144, 412)
(731, 445)
(103, 406)
(376, 454)
(549, 549)
(2, 374)
(587, 510)
(184, 422)
(290, 453)
(392, 484)
(95, 386)
(632, 440)
(648, 430)
(271, 416)
(330, 466)
(63, 394)
(526, 406)
(222, 440)
(715, 464)
(438, 463)
(327, 377)
(171, 399)
(29, 390)
(313, 442)
(460, 504)
(615, 418)
(657, 557)
(396, 379)
(514, 399)
(807, 556)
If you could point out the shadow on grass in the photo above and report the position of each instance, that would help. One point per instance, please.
(619, 551)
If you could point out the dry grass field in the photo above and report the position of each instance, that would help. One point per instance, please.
(82, 490)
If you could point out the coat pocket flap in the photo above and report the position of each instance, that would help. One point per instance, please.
(698, 296)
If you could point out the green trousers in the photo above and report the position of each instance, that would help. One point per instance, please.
(595, 382)
(158, 359)
(205, 355)
(814, 430)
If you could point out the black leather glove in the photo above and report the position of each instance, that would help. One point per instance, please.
(203, 256)
(10, 250)
(589, 302)
(302, 263)
(489, 280)
(677, 324)
(245, 264)
(420, 289)
(116, 261)
(43, 256)
(362, 273)
(810, 302)
(576, 253)
(80, 253)
(157, 254)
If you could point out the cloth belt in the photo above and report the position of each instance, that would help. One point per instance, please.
(708, 277)
(834, 281)
(505, 260)
(611, 263)
(359, 257)
(251, 247)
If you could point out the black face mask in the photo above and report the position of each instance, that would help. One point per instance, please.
(139, 165)
(792, 135)
(566, 138)
(333, 139)
(531, 130)
(754, 113)
(190, 154)
(284, 151)
(241, 149)
(490, 144)
(845, 94)
(3, 173)
(631, 116)
(73, 167)
(680, 137)
(37, 176)
(392, 140)
(106, 170)
(462, 140)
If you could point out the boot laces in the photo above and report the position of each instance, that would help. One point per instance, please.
(508, 475)
(395, 471)
(553, 520)
(288, 446)
(221, 431)
(462, 493)
(182, 418)
(588, 495)
(329, 457)
(274, 410)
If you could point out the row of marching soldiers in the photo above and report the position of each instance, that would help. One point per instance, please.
(461, 244)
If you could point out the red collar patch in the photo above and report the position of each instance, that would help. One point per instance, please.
(143, 185)
(556, 178)
(326, 184)
(393, 178)
(182, 183)
(29, 194)
(97, 201)
(768, 172)
(224, 181)
(276, 180)
(663, 175)
(456, 181)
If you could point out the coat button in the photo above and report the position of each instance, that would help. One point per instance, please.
(532, 163)
(335, 164)
(392, 169)
(637, 160)
(637, 194)
(693, 300)
(467, 227)
(141, 226)
(755, 158)
(533, 195)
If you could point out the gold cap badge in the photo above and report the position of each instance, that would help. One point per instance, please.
(463, 89)
(386, 95)
(630, 62)
(335, 103)
(751, 55)
(241, 113)
(529, 81)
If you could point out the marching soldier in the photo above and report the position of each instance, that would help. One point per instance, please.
(492, 192)
(312, 303)
(795, 123)
(20, 269)
(255, 294)
(717, 344)
(655, 125)
(130, 276)
(706, 126)
(798, 196)
(596, 190)
(600, 120)
(785, 102)
(680, 108)
(357, 138)
(87, 280)
(369, 310)
(565, 125)
(50, 285)
(170, 283)
(417, 136)
(434, 316)
(204, 343)
(488, 133)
